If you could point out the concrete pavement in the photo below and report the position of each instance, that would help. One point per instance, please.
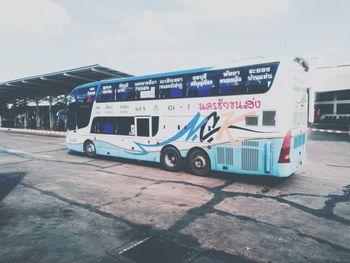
(61, 207)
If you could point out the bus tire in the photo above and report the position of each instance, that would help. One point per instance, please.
(89, 149)
(199, 162)
(170, 159)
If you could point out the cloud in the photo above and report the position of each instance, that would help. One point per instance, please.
(192, 34)
(229, 10)
(38, 17)
(159, 29)
(326, 56)
(153, 61)
(106, 42)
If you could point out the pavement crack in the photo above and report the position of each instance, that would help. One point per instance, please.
(300, 194)
(255, 221)
(325, 212)
(158, 181)
(339, 166)
(138, 194)
(48, 151)
(15, 163)
(332, 201)
(114, 165)
(86, 206)
(196, 212)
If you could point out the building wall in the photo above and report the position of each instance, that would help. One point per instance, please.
(332, 93)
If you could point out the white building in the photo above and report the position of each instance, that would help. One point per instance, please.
(332, 92)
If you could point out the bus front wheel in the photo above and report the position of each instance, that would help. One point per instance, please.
(170, 159)
(90, 149)
(199, 162)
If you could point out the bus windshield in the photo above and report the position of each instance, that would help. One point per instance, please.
(80, 106)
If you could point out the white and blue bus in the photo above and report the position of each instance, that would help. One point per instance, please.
(247, 118)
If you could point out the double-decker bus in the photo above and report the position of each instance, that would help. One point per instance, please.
(247, 118)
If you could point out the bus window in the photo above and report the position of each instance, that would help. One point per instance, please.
(96, 126)
(83, 116)
(80, 106)
(106, 94)
(72, 121)
(170, 93)
(171, 87)
(260, 77)
(251, 120)
(201, 85)
(269, 118)
(230, 82)
(83, 95)
(123, 92)
(113, 125)
(142, 127)
(108, 127)
(146, 89)
(155, 126)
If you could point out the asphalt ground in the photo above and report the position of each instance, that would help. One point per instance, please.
(62, 207)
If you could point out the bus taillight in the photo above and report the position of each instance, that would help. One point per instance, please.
(285, 151)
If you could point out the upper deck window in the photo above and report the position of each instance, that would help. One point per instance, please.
(124, 92)
(83, 95)
(106, 94)
(252, 79)
(201, 85)
(230, 82)
(171, 87)
(146, 89)
(259, 78)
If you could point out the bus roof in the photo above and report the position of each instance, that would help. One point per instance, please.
(237, 63)
(165, 74)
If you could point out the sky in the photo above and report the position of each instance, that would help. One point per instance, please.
(152, 36)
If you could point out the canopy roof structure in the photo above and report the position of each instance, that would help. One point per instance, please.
(57, 83)
(333, 78)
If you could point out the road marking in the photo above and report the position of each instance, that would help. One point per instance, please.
(25, 153)
(330, 131)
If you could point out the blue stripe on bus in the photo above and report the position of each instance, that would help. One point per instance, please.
(299, 140)
(266, 152)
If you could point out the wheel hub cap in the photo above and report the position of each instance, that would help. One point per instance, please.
(199, 162)
(170, 160)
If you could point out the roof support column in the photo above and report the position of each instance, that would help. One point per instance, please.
(50, 113)
(65, 112)
(335, 103)
(37, 116)
(15, 116)
(25, 124)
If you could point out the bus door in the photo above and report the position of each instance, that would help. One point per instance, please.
(143, 126)
(72, 121)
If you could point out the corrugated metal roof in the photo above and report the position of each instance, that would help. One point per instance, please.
(56, 83)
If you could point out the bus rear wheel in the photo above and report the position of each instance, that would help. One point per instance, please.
(170, 159)
(89, 149)
(199, 162)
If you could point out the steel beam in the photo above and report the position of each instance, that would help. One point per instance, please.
(78, 77)
(105, 73)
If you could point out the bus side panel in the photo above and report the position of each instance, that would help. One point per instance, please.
(256, 157)
(297, 156)
(75, 147)
(252, 157)
(107, 149)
